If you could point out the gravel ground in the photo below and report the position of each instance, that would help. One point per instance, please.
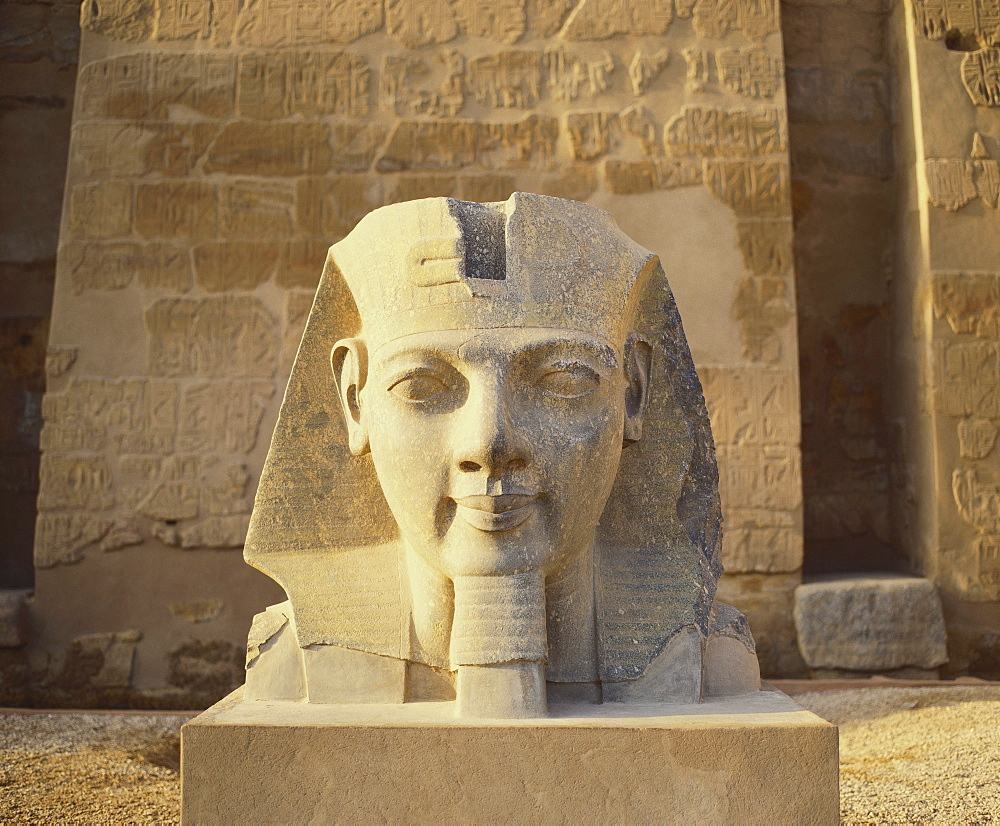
(907, 755)
(90, 768)
(916, 755)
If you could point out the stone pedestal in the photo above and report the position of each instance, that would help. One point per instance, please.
(757, 758)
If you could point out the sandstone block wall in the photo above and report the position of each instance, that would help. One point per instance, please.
(223, 150)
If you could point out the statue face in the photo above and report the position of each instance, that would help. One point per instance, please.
(496, 449)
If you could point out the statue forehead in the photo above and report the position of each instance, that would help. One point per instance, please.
(482, 343)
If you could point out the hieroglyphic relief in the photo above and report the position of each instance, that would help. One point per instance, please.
(100, 210)
(420, 144)
(981, 76)
(751, 406)
(698, 69)
(602, 19)
(752, 72)
(757, 444)
(63, 537)
(416, 23)
(954, 182)
(270, 149)
(112, 265)
(972, 27)
(718, 132)
(306, 84)
(749, 188)
(716, 18)
(766, 246)
(645, 66)
(967, 385)
(977, 493)
(330, 207)
(277, 23)
(149, 20)
(454, 144)
(58, 360)
(977, 438)
(498, 20)
(145, 87)
(639, 122)
(74, 482)
(94, 415)
(987, 558)
(965, 374)
(411, 86)
(969, 301)
(590, 134)
(256, 209)
(749, 72)
(977, 18)
(510, 79)
(211, 337)
(169, 447)
(570, 76)
(222, 266)
(638, 177)
(221, 416)
(765, 477)
(764, 305)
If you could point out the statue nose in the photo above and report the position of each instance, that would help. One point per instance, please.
(488, 438)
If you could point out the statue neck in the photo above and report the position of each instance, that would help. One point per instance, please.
(498, 632)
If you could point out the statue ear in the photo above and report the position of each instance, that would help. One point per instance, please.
(638, 368)
(349, 360)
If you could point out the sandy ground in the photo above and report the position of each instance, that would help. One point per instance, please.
(90, 768)
(916, 755)
(908, 755)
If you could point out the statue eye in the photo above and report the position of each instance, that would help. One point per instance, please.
(569, 382)
(419, 387)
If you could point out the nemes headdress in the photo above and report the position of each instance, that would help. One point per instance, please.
(532, 261)
(321, 527)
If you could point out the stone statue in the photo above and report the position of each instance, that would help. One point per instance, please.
(492, 478)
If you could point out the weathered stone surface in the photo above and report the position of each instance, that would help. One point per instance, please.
(870, 623)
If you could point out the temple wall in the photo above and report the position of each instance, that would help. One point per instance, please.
(217, 152)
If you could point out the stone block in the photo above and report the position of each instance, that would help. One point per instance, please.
(870, 623)
(757, 758)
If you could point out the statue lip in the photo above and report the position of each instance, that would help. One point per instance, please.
(497, 504)
(496, 513)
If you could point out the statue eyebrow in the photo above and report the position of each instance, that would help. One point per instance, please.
(419, 352)
(599, 350)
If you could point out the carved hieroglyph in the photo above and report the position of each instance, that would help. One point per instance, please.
(447, 486)
(218, 150)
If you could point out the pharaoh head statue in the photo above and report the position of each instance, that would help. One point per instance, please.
(493, 461)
